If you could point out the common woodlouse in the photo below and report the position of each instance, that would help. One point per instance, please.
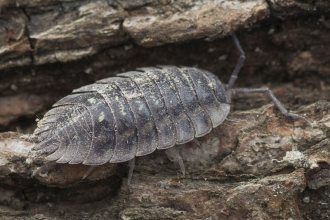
(137, 112)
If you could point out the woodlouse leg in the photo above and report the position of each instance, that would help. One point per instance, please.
(45, 167)
(131, 169)
(239, 63)
(274, 99)
(173, 152)
(92, 168)
(89, 171)
(196, 141)
(183, 169)
(215, 133)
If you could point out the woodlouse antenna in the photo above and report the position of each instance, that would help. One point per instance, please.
(233, 78)
(274, 99)
(239, 63)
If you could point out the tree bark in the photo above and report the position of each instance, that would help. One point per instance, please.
(258, 164)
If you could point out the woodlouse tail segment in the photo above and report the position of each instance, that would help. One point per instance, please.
(45, 151)
(239, 63)
(29, 138)
(274, 99)
(43, 168)
(46, 147)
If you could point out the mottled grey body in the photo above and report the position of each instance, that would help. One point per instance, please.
(131, 115)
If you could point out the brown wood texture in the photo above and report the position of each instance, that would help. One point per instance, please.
(258, 164)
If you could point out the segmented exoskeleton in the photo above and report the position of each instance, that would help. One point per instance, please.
(131, 115)
(137, 112)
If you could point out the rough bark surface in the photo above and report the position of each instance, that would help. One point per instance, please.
(258, 164)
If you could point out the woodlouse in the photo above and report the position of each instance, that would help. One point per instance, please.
(137, 112)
